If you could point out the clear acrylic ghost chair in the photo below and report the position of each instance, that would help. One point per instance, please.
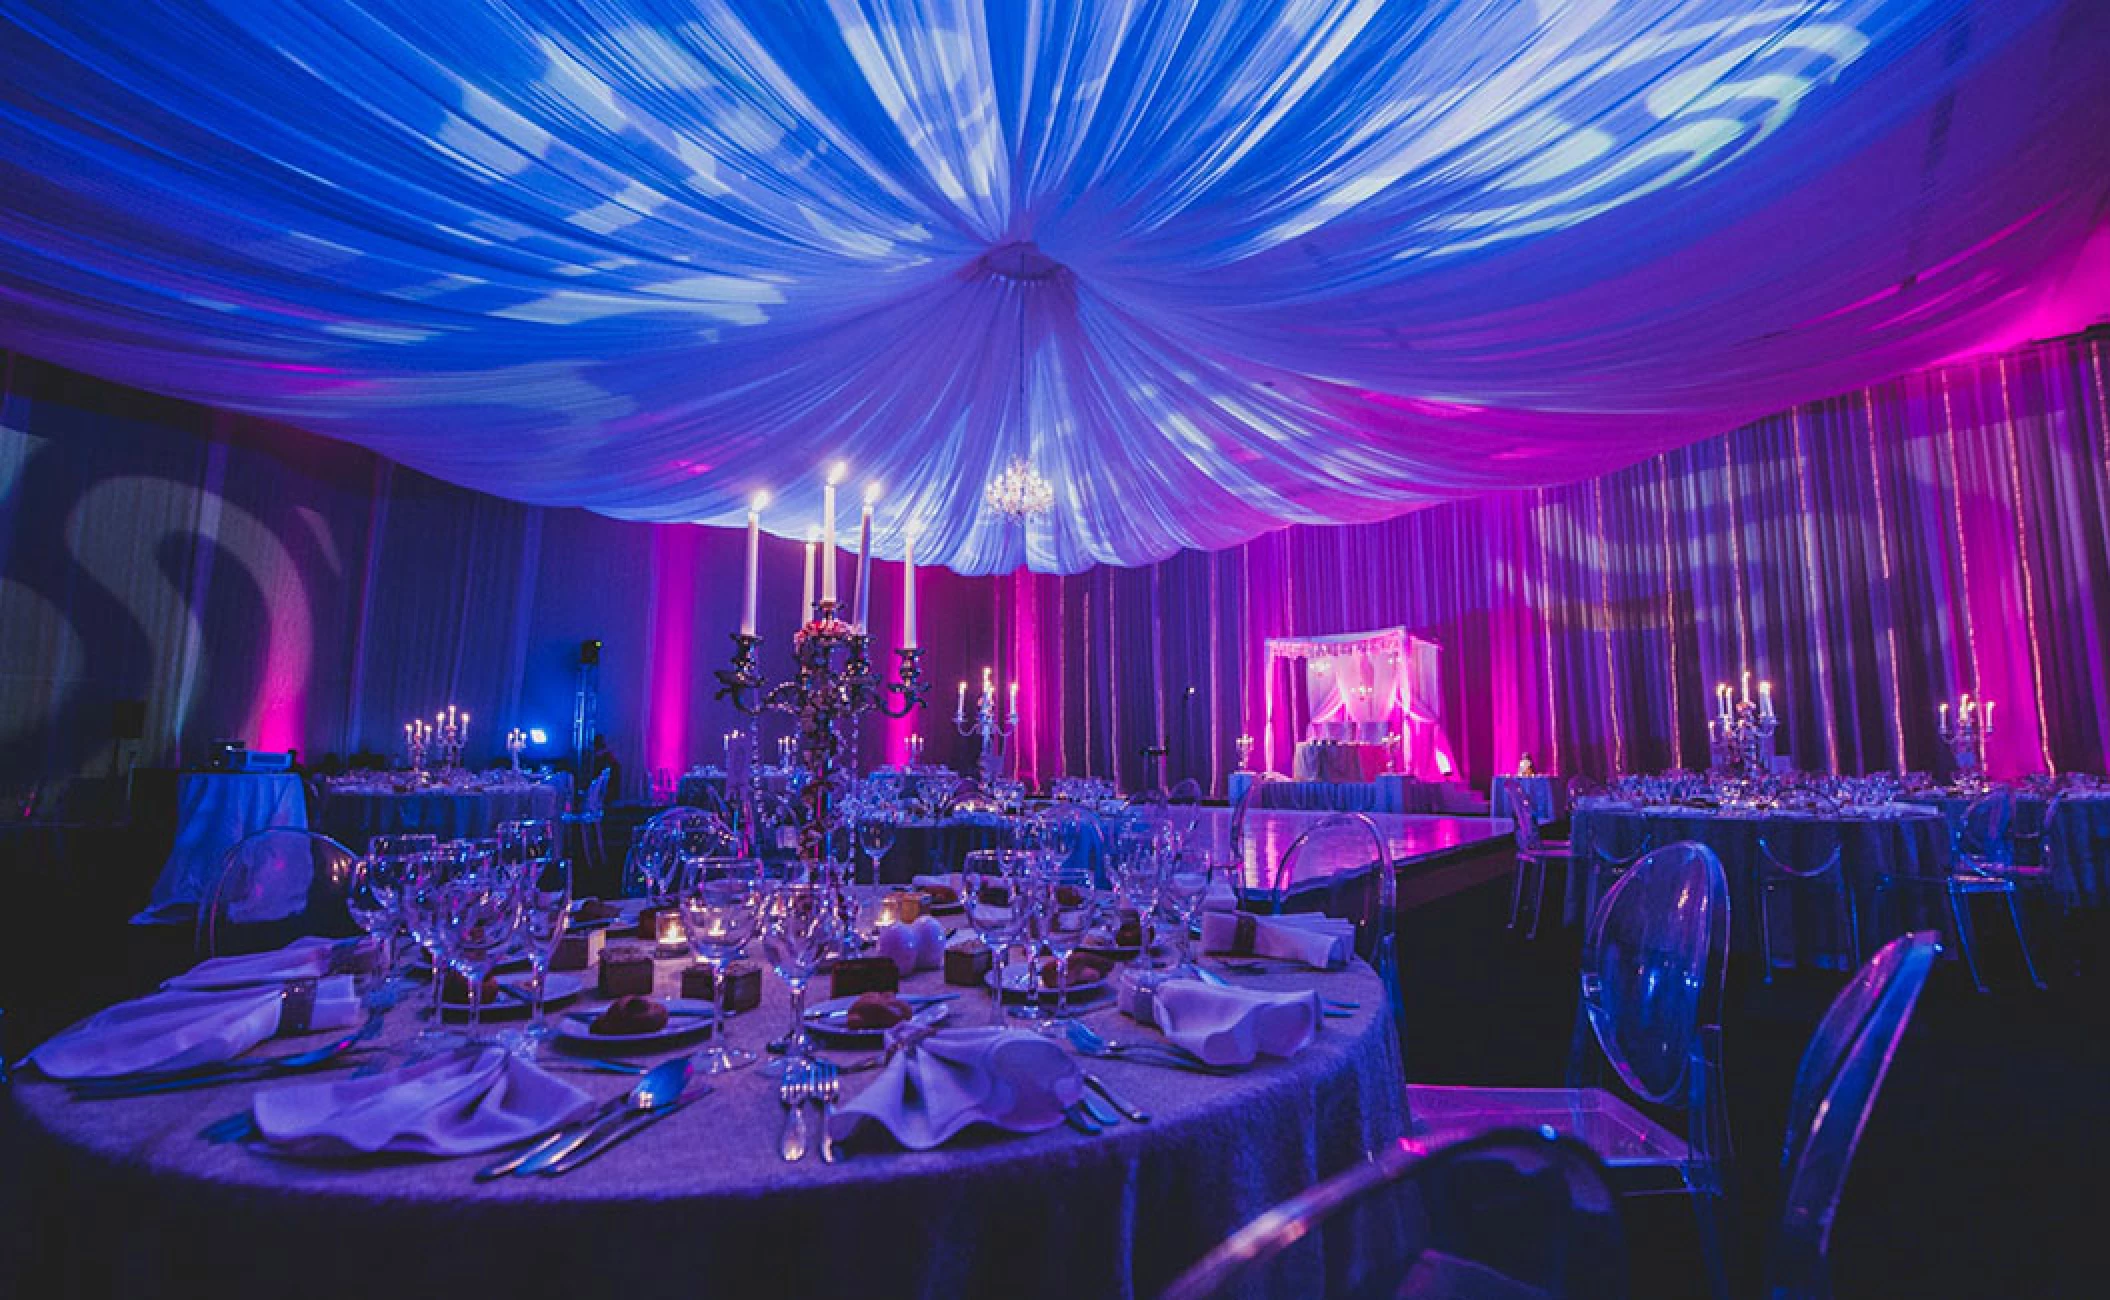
(1534, 854)
(1348, 854)
(1505, 1215)
(1819, 869)
(1604, 866)
(591, 818)
(1653, 965)
(1983, 863)
(1835, 1089)
(1244, 872)
(655, 852)
(275, 886)
(1183, 804)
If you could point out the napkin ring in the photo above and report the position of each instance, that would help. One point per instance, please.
(1245, 934)
(296, 1007)
(907, 1037)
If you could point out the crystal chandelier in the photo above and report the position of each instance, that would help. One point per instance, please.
(1019, 492)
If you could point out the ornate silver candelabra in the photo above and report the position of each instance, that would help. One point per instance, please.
(990, 731)
(1740, 739)
(516, 740)
(1966, 737)
(832, 686)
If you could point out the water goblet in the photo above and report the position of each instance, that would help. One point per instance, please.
(417, 897)
(372, 899)
(995, 912)
(1067, 911)
(1183, 891)
(875, 835)
(394, 853)
(526, 840)
(798, 930)
(719, 908)
(479, 914)
(545, 912)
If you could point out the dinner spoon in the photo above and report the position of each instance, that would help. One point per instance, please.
(656, 1082)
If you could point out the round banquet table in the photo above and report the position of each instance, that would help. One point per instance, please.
(126, 1198)
(2076, 840)
(1895, 841)
(356, 815)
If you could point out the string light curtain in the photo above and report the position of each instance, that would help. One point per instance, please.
(1309, 261)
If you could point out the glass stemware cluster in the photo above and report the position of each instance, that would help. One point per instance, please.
(471, 905)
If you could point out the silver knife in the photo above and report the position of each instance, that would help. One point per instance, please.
(1135, 1114)
(620, 1132)
(506, 1165)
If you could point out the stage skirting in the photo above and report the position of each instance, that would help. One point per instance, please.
(1390, 792)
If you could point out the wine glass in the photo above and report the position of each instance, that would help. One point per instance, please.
(545, 911)
(479, 914)
(996, 913)
(1065, 913)
(526, 840)
(875, 835)
(371, 899)
(393, 854)
(798, 929)
(418, 898)
(1137, 873)
(1183, 890)
(719, 907)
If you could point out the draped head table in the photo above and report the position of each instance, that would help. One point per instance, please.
(1894, 840)
(126, 1197)
(356, 812)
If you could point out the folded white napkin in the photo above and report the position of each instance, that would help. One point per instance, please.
(1316, 940)
(308, 958)
(458, 1103)
(1001, 1077)
(179, 1029)
(1221, 897)
(1225, 1026)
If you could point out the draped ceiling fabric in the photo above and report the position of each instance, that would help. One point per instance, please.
(1384, 685)
(1215, 268)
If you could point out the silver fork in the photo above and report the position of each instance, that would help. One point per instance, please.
(792, 1091)
(826, 1086)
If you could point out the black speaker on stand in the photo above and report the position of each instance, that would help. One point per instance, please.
(586, 707)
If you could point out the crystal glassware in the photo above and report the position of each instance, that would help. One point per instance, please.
(394, 852)
(1137, 869)
(1183, 891)
(526, 840)
(1067, 911)
(995, 912)
(418, 899)
(479, 915)
(372, 897)
(875, 835)
(798, 931)
(545, 911)
(720, 905)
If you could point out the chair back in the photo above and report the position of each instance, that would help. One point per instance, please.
(1249, 799)
(1653, 964)
(1835, 1089)
(1513, 1212)
(1183, 804)
(1526, 824)
(1822, 859)
(597, 794)
(1341, 846)
(276, 886)
(659, 843)
(1987, 829)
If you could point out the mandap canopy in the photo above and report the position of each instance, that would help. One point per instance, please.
(1382, 687)
(1213, 267)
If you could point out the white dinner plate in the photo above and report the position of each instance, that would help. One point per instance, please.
(826, 1019)
(559, 989)
(686, 1018)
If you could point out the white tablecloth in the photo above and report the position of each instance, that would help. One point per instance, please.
(214, 812)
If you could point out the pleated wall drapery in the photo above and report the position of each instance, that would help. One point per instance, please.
(1871, 555)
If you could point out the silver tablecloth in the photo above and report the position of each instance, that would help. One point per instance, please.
(126, 1198)
(1910, 843)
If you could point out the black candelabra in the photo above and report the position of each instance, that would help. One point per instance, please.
(831, 687)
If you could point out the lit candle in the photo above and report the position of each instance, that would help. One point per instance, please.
(960, 711)
(835, 476)
(1747, 686)
(1985, 719)
(862, 601)
(1963, 712)
(1944, 715)
(806, 594)
(1765, 699)
(461, 731)
(1014, 701)
(754, 562)
(908, 590)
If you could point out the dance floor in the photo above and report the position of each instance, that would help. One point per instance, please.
(1411, 840)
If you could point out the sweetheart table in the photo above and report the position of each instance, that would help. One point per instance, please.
(126, 1197)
